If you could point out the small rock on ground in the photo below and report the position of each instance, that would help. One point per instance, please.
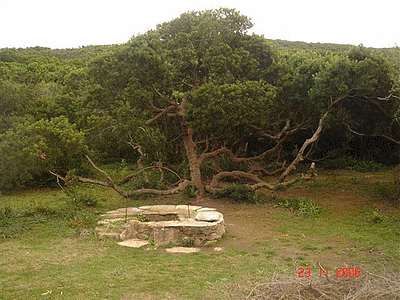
(134, 243)
(182, 250)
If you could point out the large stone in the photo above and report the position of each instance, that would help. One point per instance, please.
(208, 216)
(164, 235)
(164, 224)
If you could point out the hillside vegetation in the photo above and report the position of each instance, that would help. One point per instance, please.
(200, 99)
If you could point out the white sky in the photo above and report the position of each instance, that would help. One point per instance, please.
(75, 23)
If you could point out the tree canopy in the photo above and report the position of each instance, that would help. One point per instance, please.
(202, 98)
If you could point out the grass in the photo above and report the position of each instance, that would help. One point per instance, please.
(46, 256)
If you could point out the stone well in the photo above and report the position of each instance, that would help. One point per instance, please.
(164, 224)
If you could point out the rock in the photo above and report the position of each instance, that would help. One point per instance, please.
(163, 236)
(208, 216)
(218, 249)
(111, 235)
(206, 209)
(182, 250)
(185, 207)
(134, 243)
(164, 224)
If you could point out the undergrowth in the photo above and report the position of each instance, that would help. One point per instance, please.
(304, 205)
(239, 193)
(75, 206)
(386, 192)
(352, 164)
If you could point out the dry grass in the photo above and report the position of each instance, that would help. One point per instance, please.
(370, 286)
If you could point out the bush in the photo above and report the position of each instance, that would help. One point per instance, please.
(10, 223)
(383, 191)
(153, 182)
(353, 164)
(376, 217)
(81, 197)
(239, 193)
(190, 192)
(29, 151)
(308, 207)
(304, 205)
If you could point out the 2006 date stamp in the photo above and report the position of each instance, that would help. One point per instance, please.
(324, 272)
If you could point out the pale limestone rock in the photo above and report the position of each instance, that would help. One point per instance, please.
(208, 216)
(166, 224)
(134, 243)
(182, 250)
(205, 209)
(163, 236)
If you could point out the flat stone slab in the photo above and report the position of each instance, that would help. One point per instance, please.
(208, 216)
(182, 250)
(206, 209)
(134, 243)
(164, 224)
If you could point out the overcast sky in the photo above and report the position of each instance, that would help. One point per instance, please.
(75, 23)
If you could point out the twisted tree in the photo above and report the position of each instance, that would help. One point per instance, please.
(207, 85)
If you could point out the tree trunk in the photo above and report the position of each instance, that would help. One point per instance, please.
(193, 160)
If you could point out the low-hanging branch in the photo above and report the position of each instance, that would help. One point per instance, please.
(259, 183)
(205, 156)
(181, 184)
(371, 135)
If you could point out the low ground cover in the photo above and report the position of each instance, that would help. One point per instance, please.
(49, 249)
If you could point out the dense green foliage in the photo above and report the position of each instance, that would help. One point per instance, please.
(239, 194)
(240, 91)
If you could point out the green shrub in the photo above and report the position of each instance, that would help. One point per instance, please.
(353, 164)
(308, 207)
(305, 206)
(30, 150)
(188, 242)
(10, 223)
(153, 182)
(143, 218)
(80, 197)
(376, 217)
(239, 193)
(190, 192)
(385, 191)
(285, 203)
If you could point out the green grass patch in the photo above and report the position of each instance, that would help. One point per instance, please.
(385, 192)
(306, 206)
(42, 252)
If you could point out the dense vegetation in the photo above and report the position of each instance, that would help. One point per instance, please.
(199, 98)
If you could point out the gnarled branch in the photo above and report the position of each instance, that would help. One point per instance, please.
(371, 135)
(259, 183)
